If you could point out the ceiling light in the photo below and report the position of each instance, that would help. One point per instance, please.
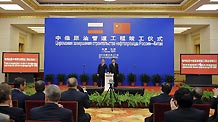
(213, 0)
(208, 7)
(11, 7)
(5, 0)
(109, 0)
(38, 29)
(178, 30)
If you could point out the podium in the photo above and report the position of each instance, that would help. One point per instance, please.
(108, 77)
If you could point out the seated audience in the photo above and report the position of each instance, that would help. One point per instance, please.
(162, 98)
(39, 87)
(197, 93)
(51, 109)
(213, 105)
(73, 94)
(16, 114)
(4, 118)
(183, 99)
(17, 92)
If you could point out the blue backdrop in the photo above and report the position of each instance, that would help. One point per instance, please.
(141, 45)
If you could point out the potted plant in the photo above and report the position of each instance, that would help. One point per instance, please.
(132, 79)
(61, 78)
(72, 75)
(145, 79)
(156, 79)
(169, 78)
(95, 79)
(84, 79)
(121, 78)
(49, 78)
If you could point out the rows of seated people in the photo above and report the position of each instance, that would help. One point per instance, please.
(182, 105)
(51, 95)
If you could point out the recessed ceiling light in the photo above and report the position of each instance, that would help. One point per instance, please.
(11, 7)
(208, 7)
(109, 0)
(38, 29)
(178, 30)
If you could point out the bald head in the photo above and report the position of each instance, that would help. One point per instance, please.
(52, 93)
(197, 92)
(72, 82)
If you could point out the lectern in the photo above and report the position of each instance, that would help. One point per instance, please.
(108, 77)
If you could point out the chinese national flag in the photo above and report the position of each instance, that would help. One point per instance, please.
(121, 28)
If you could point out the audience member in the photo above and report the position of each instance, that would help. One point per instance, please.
(213, 105)
(197, 93)
(16, 114)
(4, 118)
(17, 92)
(51, 109)
(39, 87)
(162, 98)
(73, 94)
(183, 99)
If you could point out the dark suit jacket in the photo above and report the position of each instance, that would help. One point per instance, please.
(213, 105)
(185, 115)
(16, 114)
(162, 98)
(198, 101)
(113, 69)
(51, 111)
(20, 97)
(37, 96)
(73, 95)
(102, 69)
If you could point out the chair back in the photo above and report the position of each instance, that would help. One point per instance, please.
(29, 104)
(159, 109)
(204, 107)
(72, 105)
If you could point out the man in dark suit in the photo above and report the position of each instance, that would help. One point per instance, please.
(51, 109)
(197, 93)
(184, 113)
(73, 94)
(213, 105)
(102, 69)
(16, 114)
(113, 68)
(17, 92)
(162, 98)
(39, 87)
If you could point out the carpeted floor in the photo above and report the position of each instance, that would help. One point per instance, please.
(118, 115)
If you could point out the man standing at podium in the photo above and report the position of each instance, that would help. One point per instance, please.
(113, 68)
(102, 69)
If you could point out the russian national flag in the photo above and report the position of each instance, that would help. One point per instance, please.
(95, 28)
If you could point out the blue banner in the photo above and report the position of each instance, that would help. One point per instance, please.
(140, 45)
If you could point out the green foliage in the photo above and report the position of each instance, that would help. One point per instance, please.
(94, 77)
(156, 78)
(49, 77)
(96, 98)
(186, 86)
(131, 77)
(207, 95)
(72, 75)
(84, 78)
(169, 78)
(121, 77)
(61, 77)
(29, 89)
(30, 85)
(145, 78)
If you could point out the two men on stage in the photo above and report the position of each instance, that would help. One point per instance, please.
(102, 69)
